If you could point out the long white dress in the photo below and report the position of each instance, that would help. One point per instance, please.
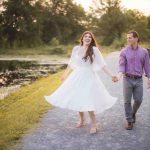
(83, 89)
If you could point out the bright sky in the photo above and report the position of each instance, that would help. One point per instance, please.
(141, 5)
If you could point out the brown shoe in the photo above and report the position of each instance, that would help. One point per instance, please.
(129, 126)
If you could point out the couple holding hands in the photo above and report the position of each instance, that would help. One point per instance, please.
(83, 90)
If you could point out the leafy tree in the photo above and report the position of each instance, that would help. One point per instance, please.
(111, 23)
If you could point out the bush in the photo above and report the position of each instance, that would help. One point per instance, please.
(58, 50)
(119, 42)
(54, 42)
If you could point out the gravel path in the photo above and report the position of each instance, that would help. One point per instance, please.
(56, 130)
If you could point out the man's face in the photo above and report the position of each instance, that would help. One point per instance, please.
(131, 40)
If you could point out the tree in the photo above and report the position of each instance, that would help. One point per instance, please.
(20, 23)
(111, 23)
(33, 22)
(65, 21)
(136, 20)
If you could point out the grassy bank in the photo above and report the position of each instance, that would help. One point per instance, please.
(63, 50)
(40, 50)
(46, 52)
(23, 109)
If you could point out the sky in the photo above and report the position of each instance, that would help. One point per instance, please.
(141, 5)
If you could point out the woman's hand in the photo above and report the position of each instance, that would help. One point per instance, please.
(62, 78)
(66, 72)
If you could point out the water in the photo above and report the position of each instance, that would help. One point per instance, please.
(15, 73)
(15, 64)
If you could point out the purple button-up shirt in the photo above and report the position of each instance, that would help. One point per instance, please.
(134, 61)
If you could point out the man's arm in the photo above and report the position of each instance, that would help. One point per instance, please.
(147, 67)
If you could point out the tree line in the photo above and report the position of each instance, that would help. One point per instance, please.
(28, 23)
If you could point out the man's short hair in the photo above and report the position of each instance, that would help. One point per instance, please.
(135, 34)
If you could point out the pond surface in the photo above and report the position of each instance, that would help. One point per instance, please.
(14, 73)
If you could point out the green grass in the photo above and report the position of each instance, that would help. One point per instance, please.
(23, 109)
(108, 49)
(40, 50)
(145, 45)
(48, 50)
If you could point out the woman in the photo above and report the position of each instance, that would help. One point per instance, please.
(83, 90)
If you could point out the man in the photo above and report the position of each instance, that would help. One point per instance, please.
(132, 61)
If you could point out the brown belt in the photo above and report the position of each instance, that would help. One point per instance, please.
(132, 76)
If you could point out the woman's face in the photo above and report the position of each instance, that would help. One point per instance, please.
(87, 39)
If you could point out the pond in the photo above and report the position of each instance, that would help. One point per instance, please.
(15, 73)
(15, 65)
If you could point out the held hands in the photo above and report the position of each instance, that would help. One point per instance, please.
(115, 78)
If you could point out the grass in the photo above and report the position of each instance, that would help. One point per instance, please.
(56, 50)
(108, 49)
(40, 50)
(145, 45)
(23, 109)
(47, 50)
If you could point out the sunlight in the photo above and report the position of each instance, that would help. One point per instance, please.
(85, 3)
(141, 5)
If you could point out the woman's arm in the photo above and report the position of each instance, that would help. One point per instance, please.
(70, 65)
(66, 72)
(107, 71)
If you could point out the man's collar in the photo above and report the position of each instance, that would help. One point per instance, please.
(131, 47)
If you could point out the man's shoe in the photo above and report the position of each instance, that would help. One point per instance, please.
(134, 118)
(129, 126)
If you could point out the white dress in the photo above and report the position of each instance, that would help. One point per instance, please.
(83, 89)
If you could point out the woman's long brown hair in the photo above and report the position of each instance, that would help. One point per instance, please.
(89, 52)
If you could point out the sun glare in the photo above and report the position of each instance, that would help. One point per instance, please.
(141, 5)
